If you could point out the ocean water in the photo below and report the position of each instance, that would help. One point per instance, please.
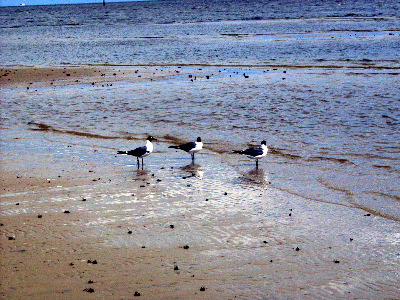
(318, 80)
(203, 32)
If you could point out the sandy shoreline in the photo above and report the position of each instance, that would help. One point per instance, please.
(31, 78)
(79, 222)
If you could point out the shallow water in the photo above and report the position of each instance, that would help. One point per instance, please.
(332, 138)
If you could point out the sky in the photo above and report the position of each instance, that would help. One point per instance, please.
(50, 2)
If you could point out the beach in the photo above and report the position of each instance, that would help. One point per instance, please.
(318, 219)
(78, 222)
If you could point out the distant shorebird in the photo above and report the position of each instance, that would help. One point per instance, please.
(191, 147)
(141, 152)
(254, 152)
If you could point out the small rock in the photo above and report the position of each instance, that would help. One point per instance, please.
(66, 211)
(176, 268)
(186, 247)
(202, 289)
(336, 261)
(136, 294)
(90, 282)
(89, 290)
(39, 216)
(171, 226)
(297, 249)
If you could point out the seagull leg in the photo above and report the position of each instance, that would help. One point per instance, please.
(138, 164)
(142, 163)
(257, 163)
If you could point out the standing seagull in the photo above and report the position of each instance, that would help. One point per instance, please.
(141, 152)
(254, 152)
(191, 147)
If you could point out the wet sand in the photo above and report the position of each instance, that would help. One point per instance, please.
(30, 78)
(78, 221)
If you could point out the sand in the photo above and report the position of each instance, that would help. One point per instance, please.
(31, 78)
(79, 222)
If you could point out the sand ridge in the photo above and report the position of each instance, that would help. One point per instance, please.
(31, 78)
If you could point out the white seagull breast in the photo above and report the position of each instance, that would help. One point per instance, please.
(197, 148)
(149, 148)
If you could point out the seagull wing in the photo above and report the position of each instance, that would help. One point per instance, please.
(138, 152)
(254, 151)
(188, 146)
(185, 147)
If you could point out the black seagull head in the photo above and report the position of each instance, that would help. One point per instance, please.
(150, 138)
(198, 139)
(264, 143)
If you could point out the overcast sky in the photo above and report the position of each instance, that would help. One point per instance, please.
(47, 2)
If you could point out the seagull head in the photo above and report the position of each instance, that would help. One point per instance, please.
(264, 143)
(150, 138)
(198, 139)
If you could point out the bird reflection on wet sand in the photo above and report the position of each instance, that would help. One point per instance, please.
(255, 175)
(142, 174)
(194, 170)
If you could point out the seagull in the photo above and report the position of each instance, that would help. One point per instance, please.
(191, 147)
(141, 152)
(254, 152)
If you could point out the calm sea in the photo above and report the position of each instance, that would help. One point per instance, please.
(321, 85)
(203, 32)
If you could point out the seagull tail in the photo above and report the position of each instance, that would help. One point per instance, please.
(237, 151)
(175, 147)
(122, 152)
